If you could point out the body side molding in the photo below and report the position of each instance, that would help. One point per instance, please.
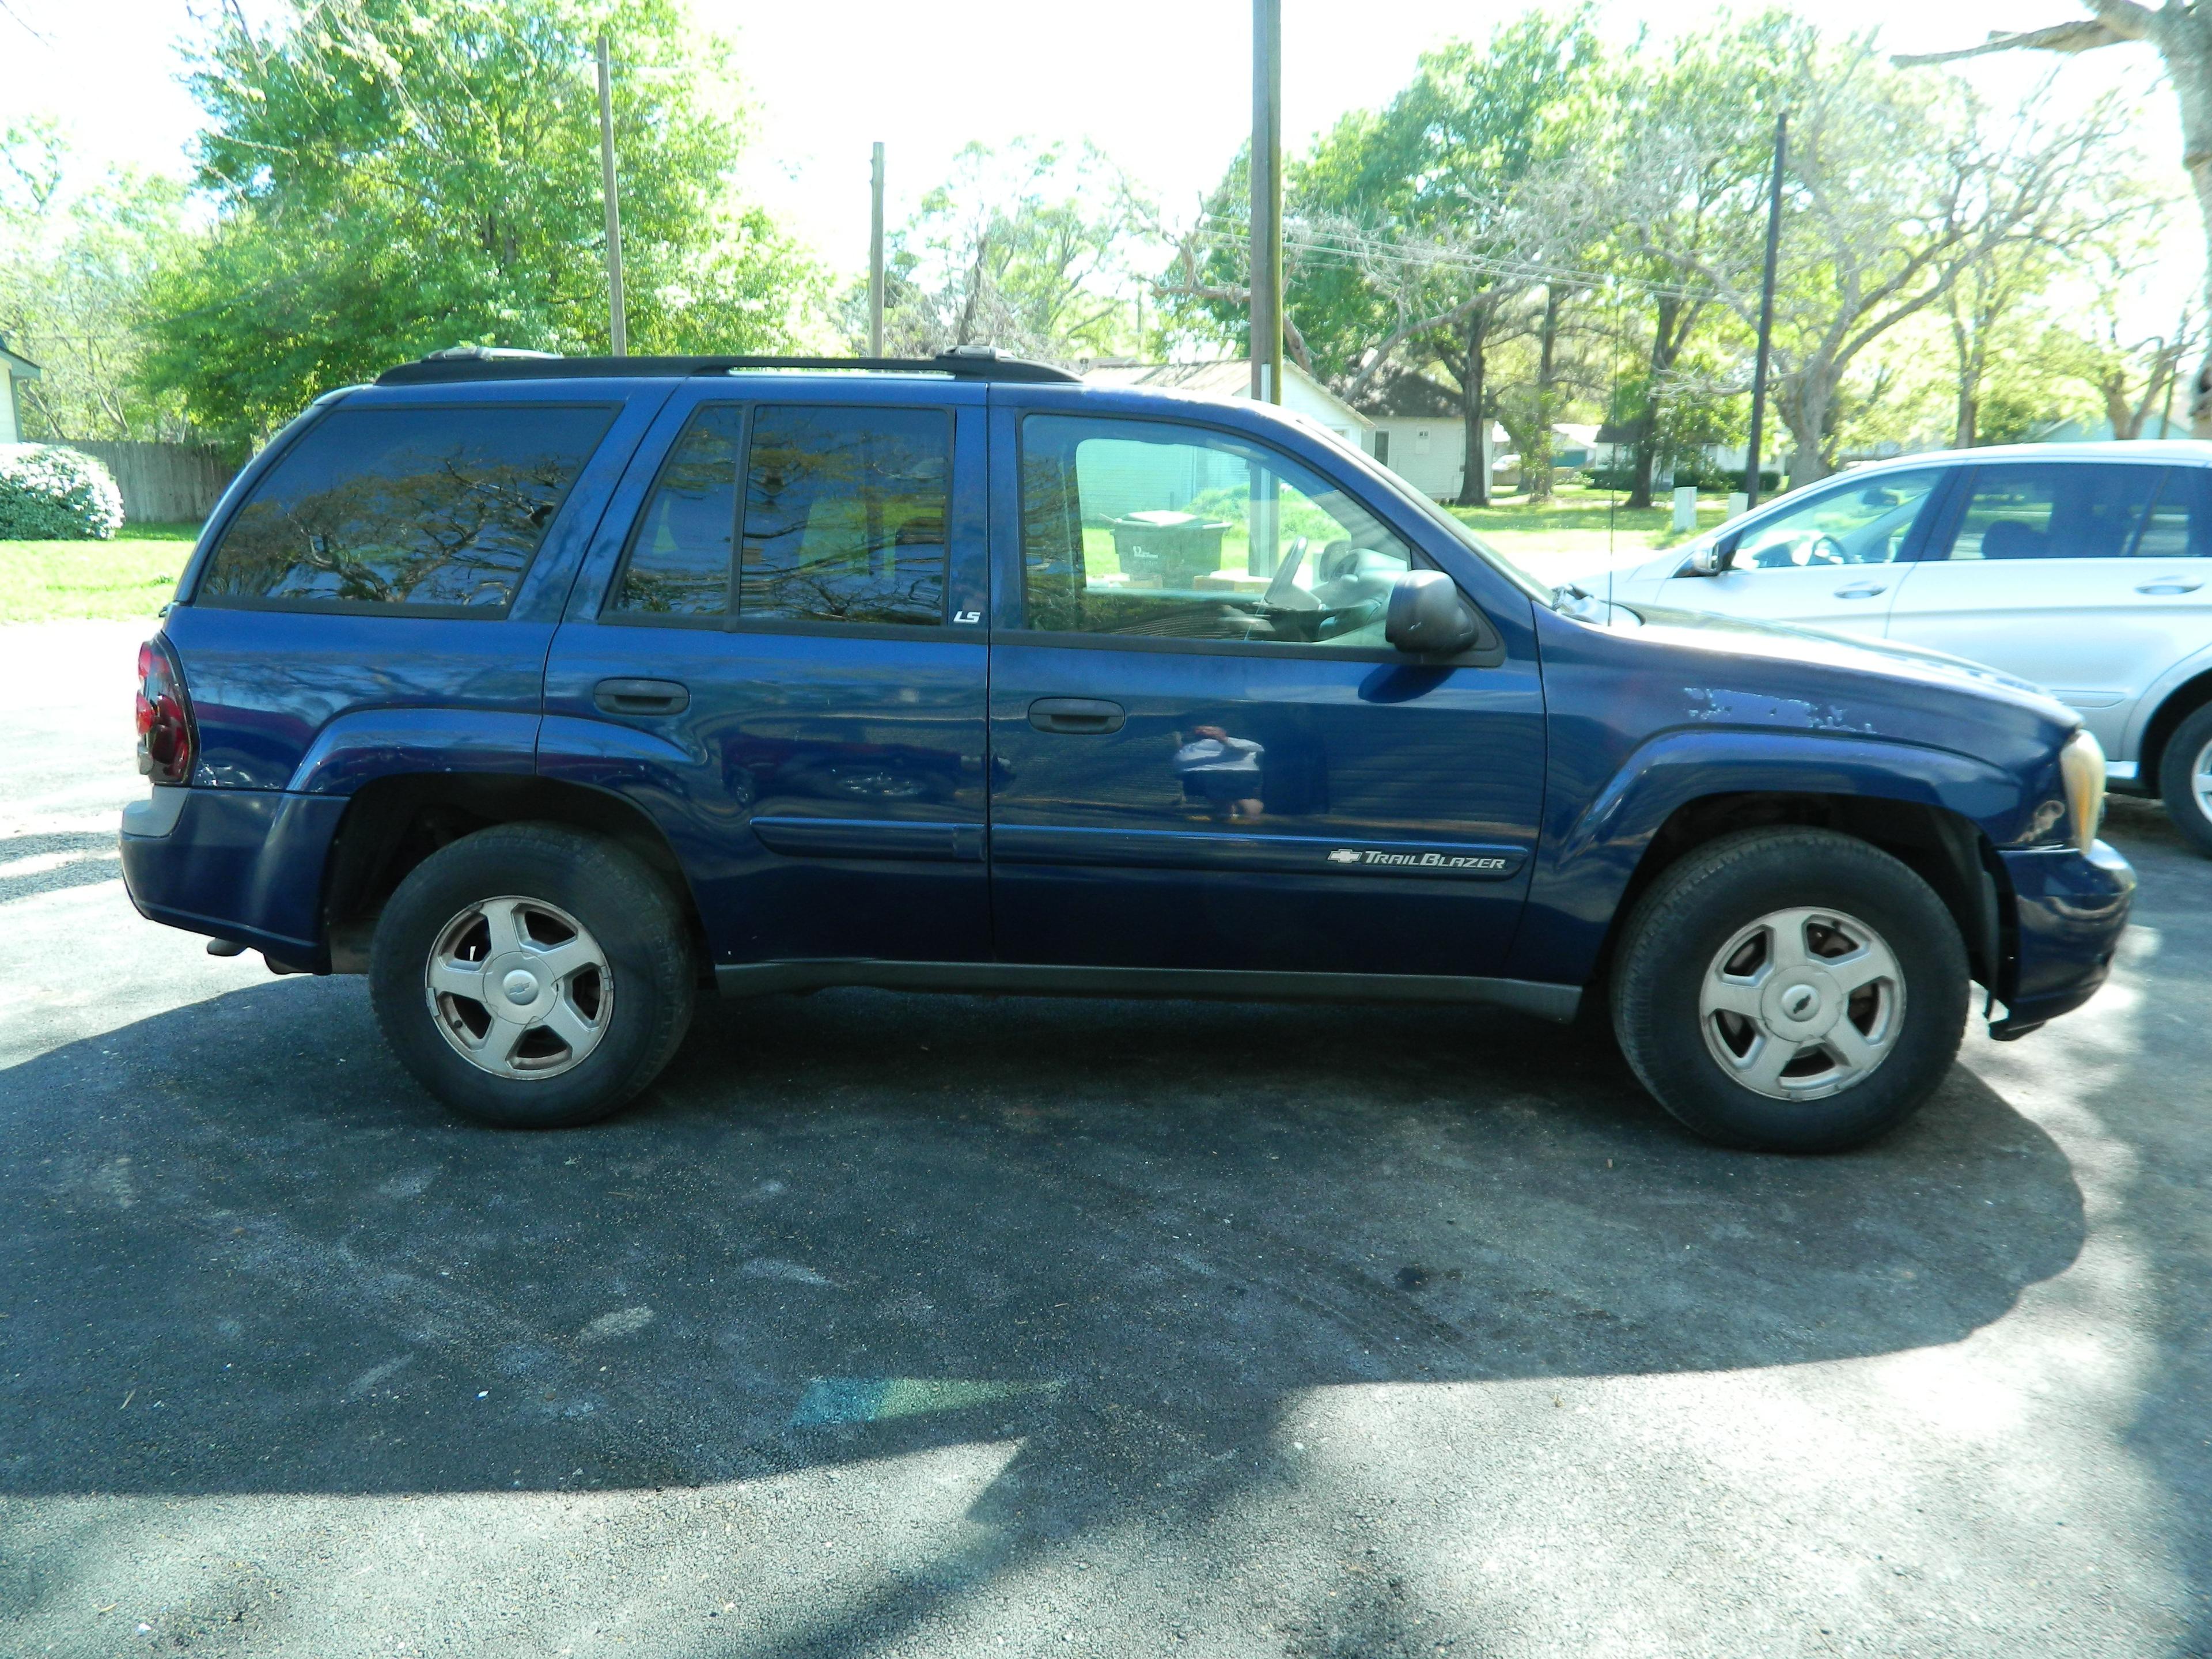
(1555, 1002)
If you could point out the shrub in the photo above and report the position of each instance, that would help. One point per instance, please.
(50, 494)
(1712, 480)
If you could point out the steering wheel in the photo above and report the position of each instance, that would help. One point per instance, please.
(1826, 549)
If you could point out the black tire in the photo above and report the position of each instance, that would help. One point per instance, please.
(2178, 769)
(627, 915)
(1697, 908)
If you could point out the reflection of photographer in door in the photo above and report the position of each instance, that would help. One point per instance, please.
(1222, 771)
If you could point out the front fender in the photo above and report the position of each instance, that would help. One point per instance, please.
(1581, 873)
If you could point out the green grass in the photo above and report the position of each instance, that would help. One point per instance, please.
(131, 576)
(1582, 530)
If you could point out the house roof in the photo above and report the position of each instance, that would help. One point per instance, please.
(23, 367)
(1229, 376)
(1403, 394)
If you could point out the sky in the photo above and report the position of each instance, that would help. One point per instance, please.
(1162, 86)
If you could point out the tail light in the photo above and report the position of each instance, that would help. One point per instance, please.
(166, 740)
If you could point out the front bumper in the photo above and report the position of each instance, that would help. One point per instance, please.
(237, 864)
(2068, 908)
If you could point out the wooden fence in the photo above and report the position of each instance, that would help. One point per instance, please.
(166, 483)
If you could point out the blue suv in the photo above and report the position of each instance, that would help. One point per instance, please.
(547, 692)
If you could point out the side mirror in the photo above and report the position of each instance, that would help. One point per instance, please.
(1713, 557)
(1427, 617)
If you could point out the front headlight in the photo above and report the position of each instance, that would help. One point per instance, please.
(2082, 769)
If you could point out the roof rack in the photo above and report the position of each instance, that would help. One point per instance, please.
(502, 363)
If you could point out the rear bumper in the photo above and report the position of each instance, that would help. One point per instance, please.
(236, 864)
(2070, 908)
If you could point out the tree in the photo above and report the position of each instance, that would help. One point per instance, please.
(393, 176)
(76, 259)
(1894, 192)
(2181, 31)
(1031, 250)
(1416, 226)
(1683, 173)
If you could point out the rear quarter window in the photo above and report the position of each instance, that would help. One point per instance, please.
(438, 510)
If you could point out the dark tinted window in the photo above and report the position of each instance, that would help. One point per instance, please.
(679, 560)
(2080, 511)
(413, 506)
(2180, 522)
(845, 515)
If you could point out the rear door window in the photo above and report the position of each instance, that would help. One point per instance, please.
(2180, 522)
(2082, 510)
(845, 515)
(437, 510)
(679, 558)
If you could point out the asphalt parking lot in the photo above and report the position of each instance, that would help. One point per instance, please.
(912, 1326)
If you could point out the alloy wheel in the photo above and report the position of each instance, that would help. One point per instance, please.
(519, 987)
(1802, 1004)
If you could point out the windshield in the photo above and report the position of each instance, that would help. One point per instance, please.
(1541, 591)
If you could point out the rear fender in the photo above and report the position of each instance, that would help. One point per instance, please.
(375, 743)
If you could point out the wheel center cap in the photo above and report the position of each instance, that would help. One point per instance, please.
(521, 985)
(1802, 1007)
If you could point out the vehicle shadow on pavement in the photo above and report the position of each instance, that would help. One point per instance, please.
(250, 1256)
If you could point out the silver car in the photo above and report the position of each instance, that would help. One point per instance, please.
(2084, 568)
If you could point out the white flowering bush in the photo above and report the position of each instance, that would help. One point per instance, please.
(50, 494)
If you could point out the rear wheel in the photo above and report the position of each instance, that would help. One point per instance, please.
(1791, 990)
(2184, 778)
(531, 976)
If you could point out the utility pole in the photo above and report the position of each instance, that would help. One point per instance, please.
(1263, 522)
(1766, 313)
(618, 323)
(876, 256)
(1266, 314)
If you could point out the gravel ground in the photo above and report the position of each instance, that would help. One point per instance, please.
(914, 1326)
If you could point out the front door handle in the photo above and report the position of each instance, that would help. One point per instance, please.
(1079, 716)
(642, 696)
(2170, 585)
(1861, 590)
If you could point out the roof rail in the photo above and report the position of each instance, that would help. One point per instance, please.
(501, 363)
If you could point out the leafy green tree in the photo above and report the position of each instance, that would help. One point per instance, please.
(1421, 221)
(77, 258)
(393, 176)
(1029, 248)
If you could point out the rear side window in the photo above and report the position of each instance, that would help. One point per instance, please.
(844, 515)
(437, 509)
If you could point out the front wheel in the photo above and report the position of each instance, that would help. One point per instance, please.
(2184, 778)
(532, 977)
(1790, 990)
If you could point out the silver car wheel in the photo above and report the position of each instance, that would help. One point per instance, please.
(1802, 1004)
(2200, 780)
(520, 987)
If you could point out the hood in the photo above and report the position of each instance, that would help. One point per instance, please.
(1817, 645)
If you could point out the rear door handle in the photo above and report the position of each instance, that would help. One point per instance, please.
(1078, 716)
(2170, 585)
(1861, 590)
(642, 696)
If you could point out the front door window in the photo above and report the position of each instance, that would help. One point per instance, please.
(1139, 528)
(1855, 524)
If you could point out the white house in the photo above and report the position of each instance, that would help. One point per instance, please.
(12, 369)
(1232, 377)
